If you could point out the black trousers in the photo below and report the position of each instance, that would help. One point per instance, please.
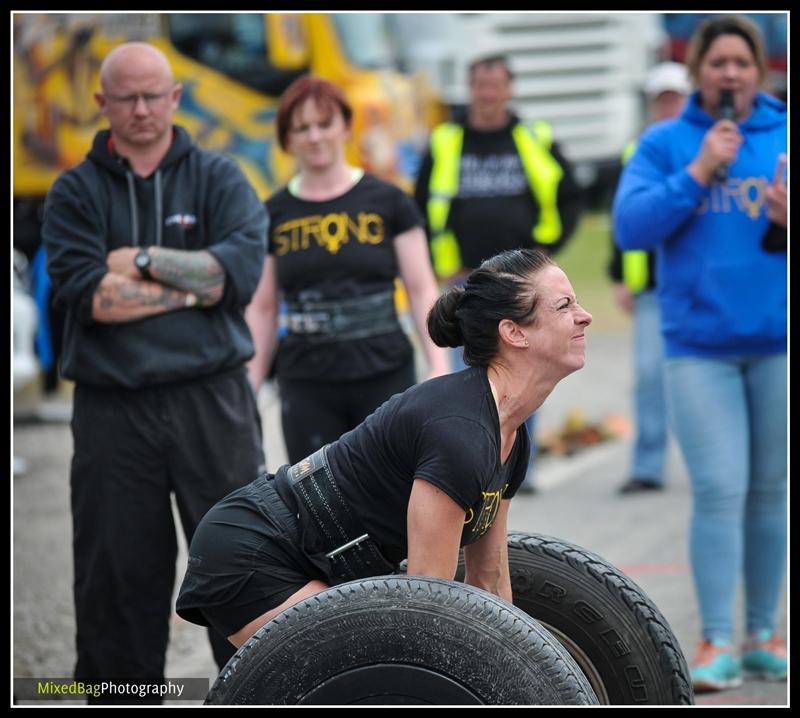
(317, 412)
(198, 440)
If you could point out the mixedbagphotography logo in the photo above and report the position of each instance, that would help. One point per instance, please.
(48, 689)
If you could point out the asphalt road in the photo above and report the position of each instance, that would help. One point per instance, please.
(645, 536)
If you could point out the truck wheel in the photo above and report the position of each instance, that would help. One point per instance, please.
(400, 640)
(611, 628)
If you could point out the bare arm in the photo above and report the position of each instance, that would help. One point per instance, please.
(435, 523)
(414, 263)
(487, 559)
(623, 297)
(121, 299)
(195, 271)
(262, 318)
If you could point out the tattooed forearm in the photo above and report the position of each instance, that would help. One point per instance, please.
(197, 272)
(120, 299)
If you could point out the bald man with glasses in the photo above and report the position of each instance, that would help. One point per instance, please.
(154, 249)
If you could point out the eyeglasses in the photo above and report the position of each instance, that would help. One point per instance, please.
(129, 102)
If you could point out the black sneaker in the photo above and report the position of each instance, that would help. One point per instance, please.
(635, 486)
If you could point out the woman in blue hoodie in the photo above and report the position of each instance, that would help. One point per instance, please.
(707, 190)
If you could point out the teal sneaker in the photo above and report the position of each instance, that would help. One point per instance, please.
(716, 667)
(764, 656)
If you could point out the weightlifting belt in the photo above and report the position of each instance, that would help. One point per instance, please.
(354, 318)
(352, 552)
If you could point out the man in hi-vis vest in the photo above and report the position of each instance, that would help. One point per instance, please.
(493, 183)
(666, 87)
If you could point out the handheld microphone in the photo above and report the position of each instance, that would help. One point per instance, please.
(725, 111)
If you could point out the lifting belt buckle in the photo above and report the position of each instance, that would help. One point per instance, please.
(351, 550)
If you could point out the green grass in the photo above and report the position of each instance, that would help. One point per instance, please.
(585, 260)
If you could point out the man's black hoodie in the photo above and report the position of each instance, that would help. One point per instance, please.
(195, 200)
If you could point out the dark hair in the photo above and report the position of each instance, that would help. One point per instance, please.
(324, 93)
(489, 61)
(713, 28)
(498, 289)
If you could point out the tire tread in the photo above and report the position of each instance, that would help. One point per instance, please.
(523, 641)
(620, 586)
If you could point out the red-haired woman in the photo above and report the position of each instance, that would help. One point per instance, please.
(338, 238)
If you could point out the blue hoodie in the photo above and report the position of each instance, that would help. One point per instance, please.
(721, 293)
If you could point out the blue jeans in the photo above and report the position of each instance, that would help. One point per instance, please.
(729, 417)
(650, 448)
(457, 362)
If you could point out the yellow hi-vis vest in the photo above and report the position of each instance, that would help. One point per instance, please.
(541, 170)
(635, 272)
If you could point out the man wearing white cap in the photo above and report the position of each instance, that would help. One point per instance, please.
(667, 86)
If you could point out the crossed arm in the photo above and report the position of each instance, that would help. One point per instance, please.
(180, 278)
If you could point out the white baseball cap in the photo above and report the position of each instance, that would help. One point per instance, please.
(667, 77)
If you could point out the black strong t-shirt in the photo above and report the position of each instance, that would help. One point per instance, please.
(446, 431)
(339, 249)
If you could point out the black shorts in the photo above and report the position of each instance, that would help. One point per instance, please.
(244, 560)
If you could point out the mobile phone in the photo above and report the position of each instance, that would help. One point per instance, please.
(780, 170)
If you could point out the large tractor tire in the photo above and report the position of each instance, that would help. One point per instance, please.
(402, 640)
(615, 633)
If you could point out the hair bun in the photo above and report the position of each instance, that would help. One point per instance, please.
(443, 325)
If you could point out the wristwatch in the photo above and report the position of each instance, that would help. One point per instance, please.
(142, 261)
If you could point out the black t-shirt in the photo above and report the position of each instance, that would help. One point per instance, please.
(339, 249)
(495, 209)
(446, 431)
